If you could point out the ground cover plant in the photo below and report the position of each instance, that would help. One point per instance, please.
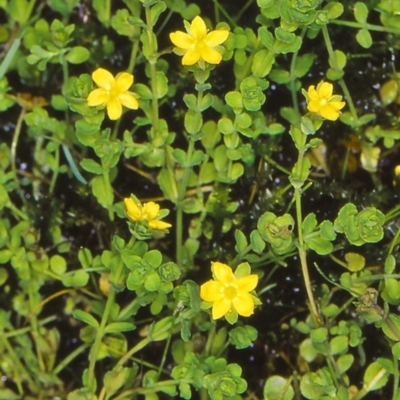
(199, 200)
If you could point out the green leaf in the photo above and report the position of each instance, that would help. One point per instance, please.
(115, 327)
(257, 243)
(242, 336)
(344, 362)
(155, 12)
(77, 55)
(360, 12)
(266, 37)
(320, 246)
(308, 351)
(206, 102)
(375, 377)
(309, 223)
(58, 264)
(193, 122)
(355, 262)
(85, 257)
(86, 318)
(115, 379)
(225, 126)
(339, 344)
(319, 335)
(103, 12)
(152, 281)
(364, 38)
(241, 241)
(299, 176)
(278, 388)
(234, 100)
(102, 190)
(262, 63)
(284, 36)
(161, 83)
(154, 257)
(92, 166)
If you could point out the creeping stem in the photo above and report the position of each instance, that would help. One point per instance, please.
(301, 246)
(94, 351)
(153, 71)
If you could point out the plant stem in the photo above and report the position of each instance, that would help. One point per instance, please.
(153, 72)
(396, 377)
(342, 83)
(14, 144)
(301, 247)
(17, 365)
(370, 27)
(179, 206)
(79, 350)
(99, 336)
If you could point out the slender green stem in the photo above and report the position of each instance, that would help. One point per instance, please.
(342, 83)
(17, 365)
(243, 9)
(134, 53)
(35, 330)
(139, 346)
(97, 342)
(179, 206)
(396, 377)
(301, 247)
(14, 144)
(79, 350)
(55, 173)
(370, 27)
(153, 72)
(293, 76)
(395, 240)
(345, 163)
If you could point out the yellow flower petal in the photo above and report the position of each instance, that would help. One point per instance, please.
(338, 105)
(221, 307)
(243, 303)
(222, 272)
(325, 90)
(150, 210)
(159, 225)
(191, 57)
(123, 82)
(329, 112)
(312, 93)
(114, 108)
(132, 209)
(198, 28)
(181, 40)
(211, 56)
(98, 97)
(247, 283)
(211, 291)
(314, 106)
(103, 78)
(128, 100)
(216, 37)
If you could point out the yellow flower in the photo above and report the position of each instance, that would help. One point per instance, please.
(147, 212)
(321, 101)
(112, 92)
(197, 44)
(229, 293)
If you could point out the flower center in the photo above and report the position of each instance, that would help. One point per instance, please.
(114, 92)
(230, 292)
(323, 102)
